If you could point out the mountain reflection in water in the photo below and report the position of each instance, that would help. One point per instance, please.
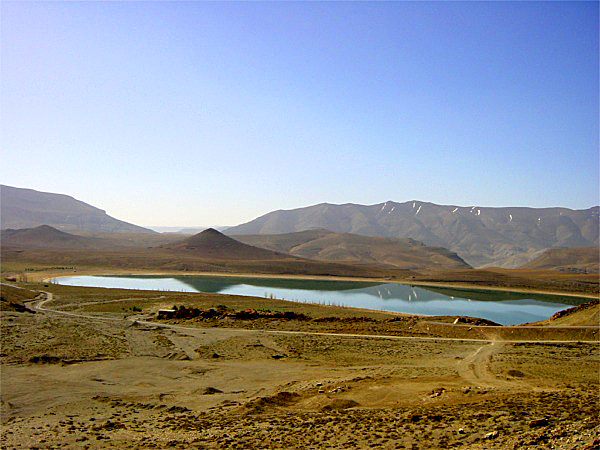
(501, 307)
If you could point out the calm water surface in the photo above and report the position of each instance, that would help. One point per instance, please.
(502, 307)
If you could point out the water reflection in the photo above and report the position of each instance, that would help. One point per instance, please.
(501, 307)
(215, 285)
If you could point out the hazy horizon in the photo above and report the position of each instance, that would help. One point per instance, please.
(190, 113)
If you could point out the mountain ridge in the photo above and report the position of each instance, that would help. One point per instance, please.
(28, 208)
(503, 236)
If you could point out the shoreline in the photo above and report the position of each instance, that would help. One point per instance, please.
(45, 276)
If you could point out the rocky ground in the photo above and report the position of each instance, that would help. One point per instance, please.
(87, 370)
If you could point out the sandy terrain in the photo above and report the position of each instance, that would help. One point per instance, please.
(88, 370)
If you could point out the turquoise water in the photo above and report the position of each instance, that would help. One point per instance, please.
(505, 308)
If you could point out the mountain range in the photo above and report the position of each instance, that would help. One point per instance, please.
(452, 235)
(482, 236)
(27, 208)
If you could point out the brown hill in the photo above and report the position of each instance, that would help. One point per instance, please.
(211, 244)
(324, 245)
(580, 259)
(48, 237)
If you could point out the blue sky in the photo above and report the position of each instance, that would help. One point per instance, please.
(202, 113)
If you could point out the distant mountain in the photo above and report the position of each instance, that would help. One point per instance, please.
(48, 237)
(581, 259)
(211, 244)
(482, 236)
(326, 245)
(26, 208)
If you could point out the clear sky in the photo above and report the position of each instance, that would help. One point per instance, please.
(210, 113)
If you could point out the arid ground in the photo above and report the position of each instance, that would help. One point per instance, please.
(95, 368)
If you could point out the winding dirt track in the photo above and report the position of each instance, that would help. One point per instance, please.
(39, 305)
(475, 368)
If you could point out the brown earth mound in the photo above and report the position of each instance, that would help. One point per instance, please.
(212, 244)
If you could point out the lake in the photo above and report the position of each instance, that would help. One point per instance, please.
(506, 308)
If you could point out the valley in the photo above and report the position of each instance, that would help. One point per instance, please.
(300, 225)
(88, 367)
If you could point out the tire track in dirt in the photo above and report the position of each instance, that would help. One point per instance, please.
(475, 369)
